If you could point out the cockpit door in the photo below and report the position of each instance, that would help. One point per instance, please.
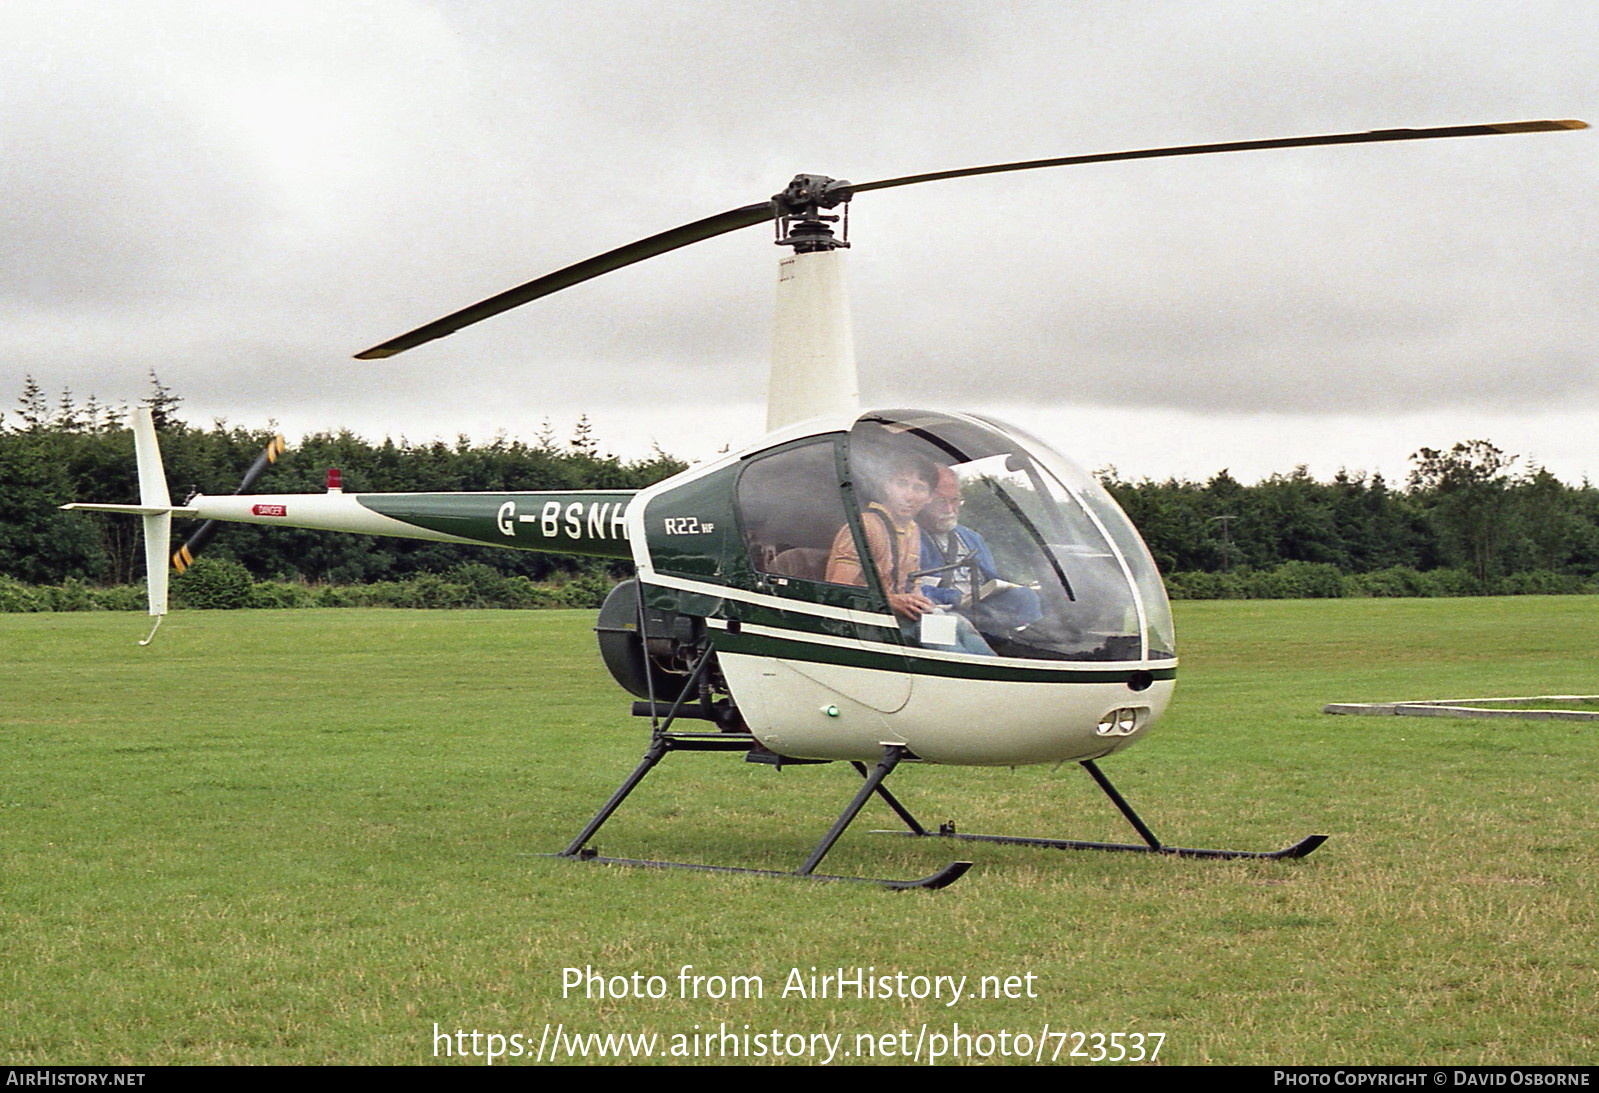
(794, 513)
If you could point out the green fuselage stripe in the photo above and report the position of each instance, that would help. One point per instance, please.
(908, 660)
(591, 522)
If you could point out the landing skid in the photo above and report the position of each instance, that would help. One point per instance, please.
(666, 742)
(945, 877)
(1150, 845)
(663, 743)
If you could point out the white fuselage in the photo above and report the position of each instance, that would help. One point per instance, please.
(833, 711)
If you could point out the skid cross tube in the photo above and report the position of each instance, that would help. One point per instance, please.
(1150, 845)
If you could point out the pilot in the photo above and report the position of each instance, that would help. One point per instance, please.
(893, 538)
(974, 589)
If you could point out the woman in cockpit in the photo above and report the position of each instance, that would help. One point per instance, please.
(899, 492)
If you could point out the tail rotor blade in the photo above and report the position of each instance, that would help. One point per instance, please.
(269, 455)
(184, 556)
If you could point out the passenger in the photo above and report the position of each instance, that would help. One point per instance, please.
(893, 538)
(975, 590)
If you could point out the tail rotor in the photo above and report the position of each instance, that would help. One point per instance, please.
(156, 509)
(184, 556)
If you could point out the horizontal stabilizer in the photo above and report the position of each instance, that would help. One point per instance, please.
(133, 510)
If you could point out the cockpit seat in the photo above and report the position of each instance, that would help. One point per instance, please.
(806, 563)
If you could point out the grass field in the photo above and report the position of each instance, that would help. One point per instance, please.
(306, 837)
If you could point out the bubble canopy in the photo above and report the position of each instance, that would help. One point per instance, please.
(1014, 538)
(976, 537)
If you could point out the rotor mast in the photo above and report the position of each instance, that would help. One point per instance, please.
(813, 344)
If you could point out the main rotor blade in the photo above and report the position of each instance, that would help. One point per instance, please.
(700, 230)
(1233, 146)
(749, 215)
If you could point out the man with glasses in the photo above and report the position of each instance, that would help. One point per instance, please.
(959, 570)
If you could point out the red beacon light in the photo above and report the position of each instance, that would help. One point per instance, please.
(335, 480)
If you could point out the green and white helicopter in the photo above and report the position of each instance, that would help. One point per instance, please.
(1031, 626)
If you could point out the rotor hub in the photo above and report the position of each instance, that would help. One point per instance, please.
(800, 222)
(807, 194)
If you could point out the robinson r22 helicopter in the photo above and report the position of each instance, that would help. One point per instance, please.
(1053, 640)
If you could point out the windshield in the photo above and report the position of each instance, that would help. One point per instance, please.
(1010, 538)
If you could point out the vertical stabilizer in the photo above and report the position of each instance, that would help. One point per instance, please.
(157, 524)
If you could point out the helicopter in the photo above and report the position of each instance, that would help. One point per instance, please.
(790, 599)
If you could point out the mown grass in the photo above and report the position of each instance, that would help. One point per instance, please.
(304, 836)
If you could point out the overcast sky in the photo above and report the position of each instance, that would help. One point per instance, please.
(241, 196)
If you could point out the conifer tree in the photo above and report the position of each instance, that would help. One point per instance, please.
(163, 403)
(32, 409)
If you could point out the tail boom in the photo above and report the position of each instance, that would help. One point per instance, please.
(577, 522)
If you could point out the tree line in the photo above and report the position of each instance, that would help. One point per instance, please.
(1469, 519)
